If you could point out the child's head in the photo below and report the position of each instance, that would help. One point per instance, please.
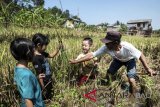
(22, 49)
(86, 44)
(40, 41)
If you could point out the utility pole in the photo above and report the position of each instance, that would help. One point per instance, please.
(78, 12)
(61, 5)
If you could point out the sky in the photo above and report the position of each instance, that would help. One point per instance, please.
(109, 11)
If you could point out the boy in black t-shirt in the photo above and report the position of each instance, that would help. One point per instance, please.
(41, 64)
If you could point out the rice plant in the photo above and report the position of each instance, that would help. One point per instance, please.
(67, 94)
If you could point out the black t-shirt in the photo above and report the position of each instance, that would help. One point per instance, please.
(41, 64)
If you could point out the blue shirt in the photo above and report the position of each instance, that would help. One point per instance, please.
(28, 86)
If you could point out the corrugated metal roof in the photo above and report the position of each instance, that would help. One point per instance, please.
(138, 21)
(74, 19)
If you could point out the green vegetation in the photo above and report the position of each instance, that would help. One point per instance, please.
(66, 92)
(32, 14)
(23, 14)
(23, 18)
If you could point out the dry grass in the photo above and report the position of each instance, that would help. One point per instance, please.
(67, 94)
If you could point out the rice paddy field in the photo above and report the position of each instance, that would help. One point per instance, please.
(66, 93)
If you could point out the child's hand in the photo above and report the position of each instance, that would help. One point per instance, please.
(40, 76)
(60, 46)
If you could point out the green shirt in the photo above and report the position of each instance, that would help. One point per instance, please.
(28, 86)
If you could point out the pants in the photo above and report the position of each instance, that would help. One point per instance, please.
(48, 91)
(130, 65)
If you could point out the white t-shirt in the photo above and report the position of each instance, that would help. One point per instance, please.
(127, 52)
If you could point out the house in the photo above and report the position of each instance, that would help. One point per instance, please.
(102, 26)
(139, 27)
(113, 28)
(71, 23)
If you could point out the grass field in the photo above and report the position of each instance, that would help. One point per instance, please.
(67, 94)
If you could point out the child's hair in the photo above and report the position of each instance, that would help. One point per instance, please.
(22, 49)
(89, 40)
(41, 39)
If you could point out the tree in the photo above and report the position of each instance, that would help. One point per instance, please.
(103, 24)
(38, 2)
(55, 10)
(76, 17)
(66, 14)
(123, 28)
(31, 13)
(116, 23)
(6, 12)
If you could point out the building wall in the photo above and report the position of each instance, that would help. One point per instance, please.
(69, 24)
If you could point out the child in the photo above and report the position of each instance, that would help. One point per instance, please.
(123, 53)
(88, 68)
(22, 50)
(41, 64)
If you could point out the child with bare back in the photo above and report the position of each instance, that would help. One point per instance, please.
(88, 69)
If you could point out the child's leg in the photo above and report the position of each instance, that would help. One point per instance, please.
(48, 88)
(94, 74)
(82, 79)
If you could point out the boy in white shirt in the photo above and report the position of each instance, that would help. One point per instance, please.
(88, 69)
(123, 53)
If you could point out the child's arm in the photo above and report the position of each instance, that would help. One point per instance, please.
(37, 63)
(40, 78)
(54, 53)
(29, 103)
(147, 68)
(27, 89)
